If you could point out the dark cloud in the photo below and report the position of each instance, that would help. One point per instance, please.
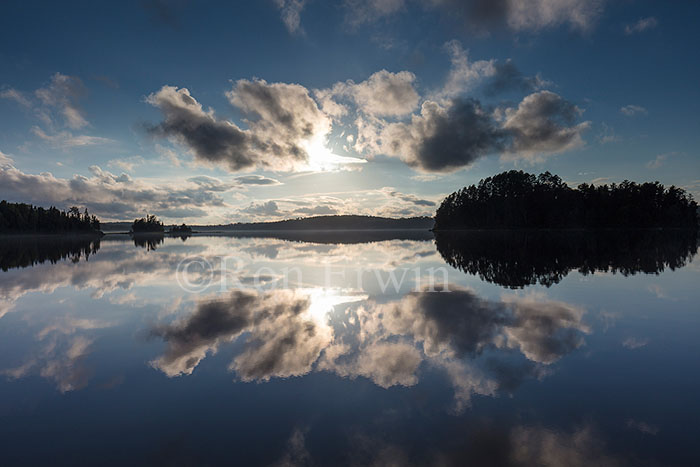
(507, 77)
(283, 122)
(268, 208)
(210, 139)
(461, 135)
(543, 123)
(409, 198)
(256, 180)
(165, 12)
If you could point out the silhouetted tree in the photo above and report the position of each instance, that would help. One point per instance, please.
(180, 229)
(516, 199)
(25, 218)
(148, 224)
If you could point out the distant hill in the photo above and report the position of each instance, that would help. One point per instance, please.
(309, 223)
(339, 223)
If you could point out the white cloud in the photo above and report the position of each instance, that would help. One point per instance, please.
(127, 164)
(15, 95)
(643, 24)
(464, 74)
(481, 16)
(62, 93)
(359, 12)
(540, 14)
(383, 94)
(632, 110)
(114, 197)
(286, 129)
(659, 160)
(66, 140)
(291, 14)
(634, 343)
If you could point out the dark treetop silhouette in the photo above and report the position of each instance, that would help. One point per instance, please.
(148, 224)
(180, 230)
(516, 199)
(518, 258)
(25, 218)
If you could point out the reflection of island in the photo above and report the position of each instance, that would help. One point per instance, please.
(25, 251)
(332, 236)
(183, 232)
(149, 241)
(519, 258)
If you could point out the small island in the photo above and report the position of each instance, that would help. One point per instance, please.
(22, 218)
(180, 230)
(519, 200)
(147, 225)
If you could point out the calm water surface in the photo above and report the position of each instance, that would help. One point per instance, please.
(362, 348)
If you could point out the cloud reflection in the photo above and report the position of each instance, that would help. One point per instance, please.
(293, 332)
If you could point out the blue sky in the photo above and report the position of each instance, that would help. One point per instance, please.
(217, 112)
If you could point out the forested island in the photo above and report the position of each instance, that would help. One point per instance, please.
(22, 218)
(148, 224)
(183, 229)
(519, 200)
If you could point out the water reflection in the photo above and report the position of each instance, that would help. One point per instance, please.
(148, 241)
(291, 333)
(25, 251)
(517, 259)
(342, 371)
(338, 237)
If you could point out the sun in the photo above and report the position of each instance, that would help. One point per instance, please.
(322, 159)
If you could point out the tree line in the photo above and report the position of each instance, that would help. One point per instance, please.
(148, 224)
(516, 199)
(26, 218)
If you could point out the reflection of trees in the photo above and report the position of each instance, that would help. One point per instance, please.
(519, 258)
(21, 252)
(148, 241)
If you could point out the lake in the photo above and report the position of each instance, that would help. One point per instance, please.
(360, 348)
